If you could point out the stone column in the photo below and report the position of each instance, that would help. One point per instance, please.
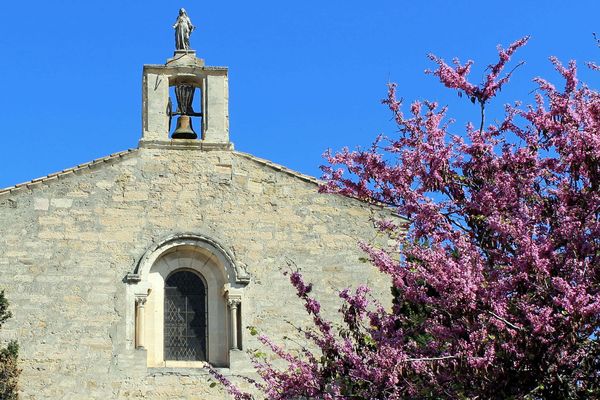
(233, 308)
(234, 300)
(139, 322)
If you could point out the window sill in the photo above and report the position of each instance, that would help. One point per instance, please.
(185, 364)
(185, 371)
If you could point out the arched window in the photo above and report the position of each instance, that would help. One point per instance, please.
(185, 313)
(187, 292)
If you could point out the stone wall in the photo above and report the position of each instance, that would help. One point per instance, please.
(68, 241)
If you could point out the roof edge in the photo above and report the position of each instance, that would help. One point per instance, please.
(279, 167)
(122, 154)
(313, 180)
(56, 175)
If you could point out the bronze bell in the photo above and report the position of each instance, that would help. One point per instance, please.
(184, 129)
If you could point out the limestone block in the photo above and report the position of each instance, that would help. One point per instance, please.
(41, 204)
(61, 203)
(255, 187)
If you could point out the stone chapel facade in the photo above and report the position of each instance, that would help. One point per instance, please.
(127, 274)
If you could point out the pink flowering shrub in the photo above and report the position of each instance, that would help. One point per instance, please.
(497, 284)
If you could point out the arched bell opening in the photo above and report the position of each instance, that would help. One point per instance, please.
(185, 105)
(163, 117)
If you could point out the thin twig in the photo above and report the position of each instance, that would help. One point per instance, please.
(505, 321)
(430, 358)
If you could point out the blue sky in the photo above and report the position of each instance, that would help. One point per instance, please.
(304, 76)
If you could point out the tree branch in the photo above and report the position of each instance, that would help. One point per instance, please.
(430, 358)
(505, 321)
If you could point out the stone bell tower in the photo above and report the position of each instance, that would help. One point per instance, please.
(172, 120)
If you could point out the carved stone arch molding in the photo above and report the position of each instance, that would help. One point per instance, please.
(148, 306)
(237, 273)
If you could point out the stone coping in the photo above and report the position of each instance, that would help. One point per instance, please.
(311, 179)
(68, 171)
(162, 67)
(281, 168)
(167, 144)
(184, 144)
(191, 144)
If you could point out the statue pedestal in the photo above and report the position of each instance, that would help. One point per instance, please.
(186, 57)
(179, 53)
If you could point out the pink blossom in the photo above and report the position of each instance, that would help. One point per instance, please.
(496, 282)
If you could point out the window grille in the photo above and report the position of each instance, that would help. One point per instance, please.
(185, 317)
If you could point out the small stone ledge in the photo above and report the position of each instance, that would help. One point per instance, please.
(200, 371)
(184, 144)
(170, 68)
(132, 278)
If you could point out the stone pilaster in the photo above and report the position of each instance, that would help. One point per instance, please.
(140, 331)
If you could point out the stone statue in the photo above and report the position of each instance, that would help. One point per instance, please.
(183, 28)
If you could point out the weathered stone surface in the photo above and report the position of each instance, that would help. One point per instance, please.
(67, 244)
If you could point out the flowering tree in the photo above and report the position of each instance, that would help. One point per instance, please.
(497, 283)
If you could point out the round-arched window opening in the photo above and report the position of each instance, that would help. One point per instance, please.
(185, 317)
